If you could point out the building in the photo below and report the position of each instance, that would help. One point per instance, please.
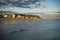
(7, 14)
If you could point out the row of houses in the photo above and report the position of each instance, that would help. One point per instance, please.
(9, 14)
(18, 16)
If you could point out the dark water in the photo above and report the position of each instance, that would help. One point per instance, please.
(30, 30)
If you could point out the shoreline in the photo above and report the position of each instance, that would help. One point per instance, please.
(24, 19)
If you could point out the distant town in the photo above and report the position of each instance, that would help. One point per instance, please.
(6, 15)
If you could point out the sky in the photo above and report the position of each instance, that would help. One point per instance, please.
(28, 6)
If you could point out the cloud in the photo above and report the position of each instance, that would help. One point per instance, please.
(21, 3)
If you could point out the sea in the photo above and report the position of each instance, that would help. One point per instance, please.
(30, 30)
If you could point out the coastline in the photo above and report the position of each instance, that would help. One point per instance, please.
(7, 19)
(7, 15)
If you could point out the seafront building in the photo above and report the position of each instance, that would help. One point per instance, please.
(7, 14)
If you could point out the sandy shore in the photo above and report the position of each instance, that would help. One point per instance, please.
(25, 19)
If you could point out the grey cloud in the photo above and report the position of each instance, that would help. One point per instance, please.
(21, 3)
